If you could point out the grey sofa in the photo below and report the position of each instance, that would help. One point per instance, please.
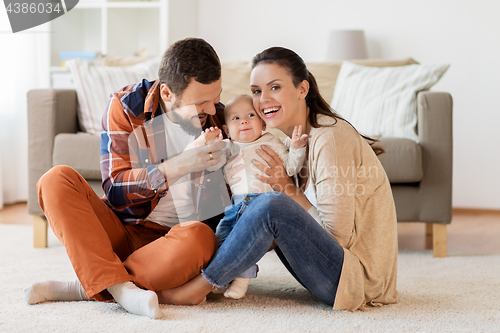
(420, 173)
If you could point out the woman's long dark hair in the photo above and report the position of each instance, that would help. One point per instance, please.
(294, 64)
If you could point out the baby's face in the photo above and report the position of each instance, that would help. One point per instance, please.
(242, 121)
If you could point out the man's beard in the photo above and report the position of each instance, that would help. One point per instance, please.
(186, 124)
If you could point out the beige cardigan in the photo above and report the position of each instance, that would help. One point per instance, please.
(356, 206)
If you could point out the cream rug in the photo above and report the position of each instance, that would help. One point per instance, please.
(454, 294)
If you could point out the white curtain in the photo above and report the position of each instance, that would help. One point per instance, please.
(24, 65)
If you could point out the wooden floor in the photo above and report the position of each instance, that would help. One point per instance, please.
(471, 232)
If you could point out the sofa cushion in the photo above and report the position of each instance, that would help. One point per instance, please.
(236, 75)
(80, 151)
(402, 160)
(94, 84)
(326, 73)
(382, 102)
(235, 79)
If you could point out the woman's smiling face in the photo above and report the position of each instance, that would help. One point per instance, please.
(276, 98)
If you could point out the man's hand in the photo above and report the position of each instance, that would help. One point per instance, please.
(200, 158)
(299, 140)
(277, 177)
(192, 160)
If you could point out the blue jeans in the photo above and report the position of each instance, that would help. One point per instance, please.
(307, 250)
(231, 216)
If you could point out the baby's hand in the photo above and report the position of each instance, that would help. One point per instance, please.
(212, 134)
(299, 140)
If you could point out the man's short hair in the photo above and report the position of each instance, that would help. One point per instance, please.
(189, 58)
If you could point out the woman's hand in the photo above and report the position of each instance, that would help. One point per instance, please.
(231, 169)
(277, 176)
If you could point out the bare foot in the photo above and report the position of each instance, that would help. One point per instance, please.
(193, 292)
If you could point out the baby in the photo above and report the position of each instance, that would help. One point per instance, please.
(244, 128)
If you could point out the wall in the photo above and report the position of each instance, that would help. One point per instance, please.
(464, 33)
(183, 19)
(24, 65)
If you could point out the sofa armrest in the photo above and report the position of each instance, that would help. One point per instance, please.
(50, 112)
(435, 133)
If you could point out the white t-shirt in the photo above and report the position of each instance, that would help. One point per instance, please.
(177, 205)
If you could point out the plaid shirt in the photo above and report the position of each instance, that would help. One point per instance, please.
(132, 146)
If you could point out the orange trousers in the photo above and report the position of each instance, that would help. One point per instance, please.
(104, 251)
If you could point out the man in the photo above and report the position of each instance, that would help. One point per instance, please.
(133, 242)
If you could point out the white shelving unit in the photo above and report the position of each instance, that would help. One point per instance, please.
(122, 28)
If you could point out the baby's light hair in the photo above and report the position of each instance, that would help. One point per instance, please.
(234, 100)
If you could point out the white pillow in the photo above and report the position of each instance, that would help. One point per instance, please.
(94, 84)
(382, 101)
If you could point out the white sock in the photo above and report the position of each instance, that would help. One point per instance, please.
(238, 288)
(136, 300)
(55, 291)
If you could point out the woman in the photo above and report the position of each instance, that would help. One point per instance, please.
(335, 229)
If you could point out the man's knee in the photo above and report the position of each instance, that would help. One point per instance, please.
(173, 260)
(55, 175)
(54, 183)
(202, 240)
